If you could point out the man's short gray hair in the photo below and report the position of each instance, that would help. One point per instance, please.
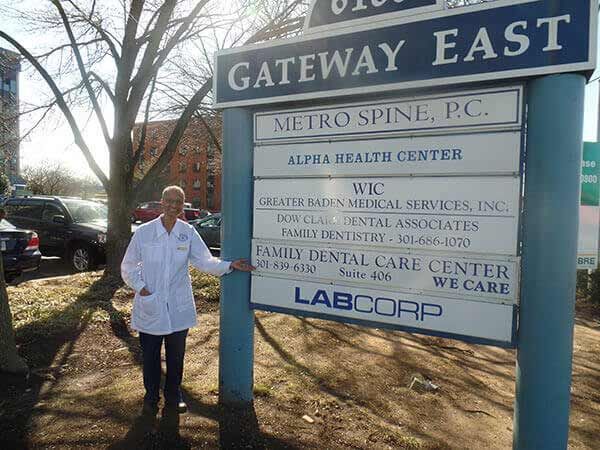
(171, 189)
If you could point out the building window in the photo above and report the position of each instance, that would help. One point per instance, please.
(153, 151)
(154, 132)
(196, 167)
(183, 150)
(197, 150)
(182, 184)
(210, 151)
(182, 166)
(196, 184)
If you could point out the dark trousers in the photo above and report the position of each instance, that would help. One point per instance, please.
(174, 352)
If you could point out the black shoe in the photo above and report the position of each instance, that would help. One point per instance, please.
(179, 407)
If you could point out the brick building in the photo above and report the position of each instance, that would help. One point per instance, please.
(195, 167)
(9, 113)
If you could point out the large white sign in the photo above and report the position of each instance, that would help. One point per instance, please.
(486, 109)
(476, 319)
(460, 214)
(409, 272)
(483, 153)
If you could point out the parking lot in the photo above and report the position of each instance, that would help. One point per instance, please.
(49, 267)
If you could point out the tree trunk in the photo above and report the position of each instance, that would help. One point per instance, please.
(10, 361)
(120, 207)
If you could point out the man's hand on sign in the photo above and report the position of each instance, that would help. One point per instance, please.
(145, 292)
(242, 265)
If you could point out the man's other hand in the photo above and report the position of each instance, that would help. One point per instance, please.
(242, 265)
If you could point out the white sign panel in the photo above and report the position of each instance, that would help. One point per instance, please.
(491, 153)
(587, 243)
(462, 214)
(488, 321)
(498, 108)
(410, 272)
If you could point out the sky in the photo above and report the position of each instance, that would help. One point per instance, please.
(53, 140)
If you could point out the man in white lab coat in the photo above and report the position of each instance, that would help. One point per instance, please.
(156, 267)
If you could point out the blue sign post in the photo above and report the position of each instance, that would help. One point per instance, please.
(379, 47)
(236, 339)
(549, 270)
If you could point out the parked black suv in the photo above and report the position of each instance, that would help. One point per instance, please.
(67, 227)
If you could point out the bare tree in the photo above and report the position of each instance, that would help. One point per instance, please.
(118, 58)
(109, 58)
(48, 178)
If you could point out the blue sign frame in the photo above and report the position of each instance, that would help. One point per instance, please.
(468, 44)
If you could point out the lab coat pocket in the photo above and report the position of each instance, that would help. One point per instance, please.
(148, 306)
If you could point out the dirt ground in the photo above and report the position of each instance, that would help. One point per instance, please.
(86, 387)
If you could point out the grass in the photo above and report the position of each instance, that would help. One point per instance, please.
(49, 308)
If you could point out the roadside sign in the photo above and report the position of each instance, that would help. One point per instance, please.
(490, 41)
(380, 177)
(493, 279)
(460, 214)
(473, 321)
(481, 153)
(418, 197)
(589, 209)
(342, 13)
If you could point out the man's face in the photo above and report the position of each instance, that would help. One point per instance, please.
(172, 204)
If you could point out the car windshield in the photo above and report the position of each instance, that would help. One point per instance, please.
(85, 211)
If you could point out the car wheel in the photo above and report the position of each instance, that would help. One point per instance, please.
(10, 277)
(81, 259)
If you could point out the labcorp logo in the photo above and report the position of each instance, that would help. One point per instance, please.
(324, 300)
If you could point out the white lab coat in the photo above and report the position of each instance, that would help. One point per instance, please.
(159, 261)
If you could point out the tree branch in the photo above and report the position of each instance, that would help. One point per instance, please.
(63, 107)
(105, 36)
(104, 85)
(142, 143)
(153, 59)
(62, 47)
(84, 75)
(180, 127)
(210, 132)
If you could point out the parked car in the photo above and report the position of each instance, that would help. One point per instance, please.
(73, 229)
(20, 250)
(191, 214)
(209, 229)
(147, 211)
